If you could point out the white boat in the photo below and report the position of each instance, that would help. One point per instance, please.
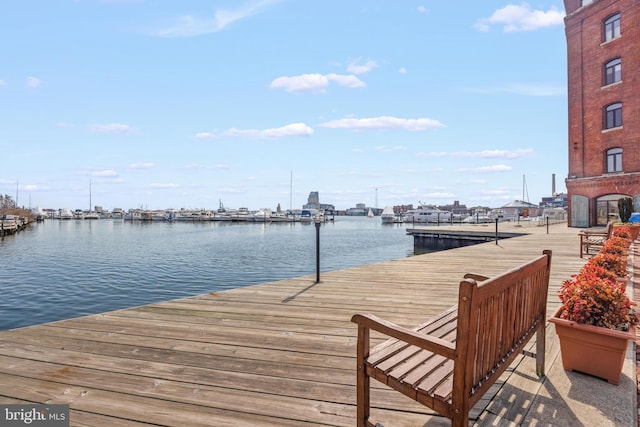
(91, 215)
(242, 214)
(425, 215)
(370, 213)
(262, 215)
(280, 217)
(64, 213)
(388, 216)
(480, 216)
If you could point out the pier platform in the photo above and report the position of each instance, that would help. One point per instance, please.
(283, 353)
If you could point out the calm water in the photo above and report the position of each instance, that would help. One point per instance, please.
(62, 269)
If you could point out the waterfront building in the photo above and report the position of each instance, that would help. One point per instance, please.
(603, 40)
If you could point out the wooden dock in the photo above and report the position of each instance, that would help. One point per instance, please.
(275, 354)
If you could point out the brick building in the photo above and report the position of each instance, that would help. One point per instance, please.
(603, 61)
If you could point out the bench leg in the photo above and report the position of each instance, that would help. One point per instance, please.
(363, 380)
(541, 343)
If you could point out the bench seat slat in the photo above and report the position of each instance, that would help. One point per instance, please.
(434, 327)
(408, 352)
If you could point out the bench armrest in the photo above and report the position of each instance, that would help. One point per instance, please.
(476, 277)
(424, 341)
(593, 233)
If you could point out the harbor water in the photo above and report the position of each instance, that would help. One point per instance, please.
(63, 269)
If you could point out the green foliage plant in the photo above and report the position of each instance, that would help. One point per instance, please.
(625, 209)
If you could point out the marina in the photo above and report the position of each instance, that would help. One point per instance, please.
(81, 267)
(283, 352)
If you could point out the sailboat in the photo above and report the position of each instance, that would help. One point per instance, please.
(91, 214)
(370, 213)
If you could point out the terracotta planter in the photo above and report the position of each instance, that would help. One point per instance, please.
(634, 229)
(590, 349)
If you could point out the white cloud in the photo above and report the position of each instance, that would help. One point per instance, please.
(3, 83)
(305, 82)
(315, 82)
(117, 128)
(384, 123)
(143, 165)
(385, 149)
(293, 129)
(204, 135)
(402, 70)
(33, 82)
(514, 18)
(497, 154)
(188, 26)
(105, 173)
(489, 169)
(421, 9)
(360, 68)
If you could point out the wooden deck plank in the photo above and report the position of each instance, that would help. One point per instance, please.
(279, 353)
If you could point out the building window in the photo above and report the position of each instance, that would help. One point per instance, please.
(613, 116)
(614, 160)
(613, 71)
(612, 27)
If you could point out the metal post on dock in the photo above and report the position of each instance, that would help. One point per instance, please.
(547, 225)
(496, 231)
(317, 222)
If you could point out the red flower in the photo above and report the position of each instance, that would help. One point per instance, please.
(595, 296)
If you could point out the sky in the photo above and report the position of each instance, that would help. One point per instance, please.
(254, 103)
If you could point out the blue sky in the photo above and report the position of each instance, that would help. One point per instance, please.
(180, 104)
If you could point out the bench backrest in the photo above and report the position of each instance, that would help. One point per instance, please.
(496, 319)
(609, 229)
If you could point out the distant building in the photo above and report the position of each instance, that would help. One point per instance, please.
(521, 208)
(456, 208)
(603, 41)
(361, 209)
(556, 201)
(313, 202)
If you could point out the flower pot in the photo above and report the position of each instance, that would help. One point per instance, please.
(590, 349)
(634, 229)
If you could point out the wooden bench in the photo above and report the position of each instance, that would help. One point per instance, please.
(594, 238)
(450, 361)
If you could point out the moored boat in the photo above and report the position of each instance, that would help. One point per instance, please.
(424, 215)
(388, 216)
